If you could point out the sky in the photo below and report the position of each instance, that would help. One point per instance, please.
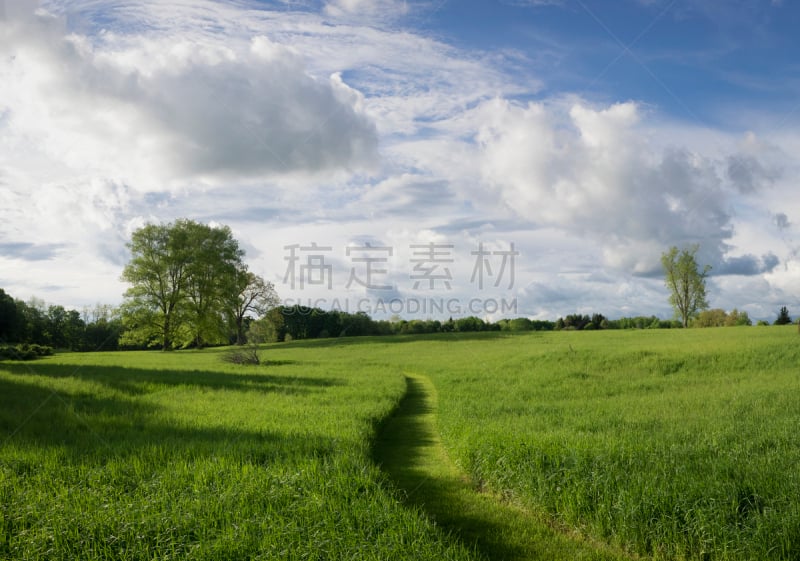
(419, 158)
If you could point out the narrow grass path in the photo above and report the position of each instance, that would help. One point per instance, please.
(410, 451)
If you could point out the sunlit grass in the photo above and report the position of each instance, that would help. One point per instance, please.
(679, 444)
(410, 450)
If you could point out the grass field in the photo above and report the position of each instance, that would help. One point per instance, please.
(670, 444)
(677, 444)
(179, 456)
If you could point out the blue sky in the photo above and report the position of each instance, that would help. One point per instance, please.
(585, 137)
(685, 58)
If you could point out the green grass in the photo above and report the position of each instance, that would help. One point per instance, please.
(411, 451)
(670, 444)
(678, 445)
(179, 456)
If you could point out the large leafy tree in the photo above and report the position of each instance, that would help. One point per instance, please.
(685, 281)
(179, 273)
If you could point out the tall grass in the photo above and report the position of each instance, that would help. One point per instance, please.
(678, 445)
(180, 456)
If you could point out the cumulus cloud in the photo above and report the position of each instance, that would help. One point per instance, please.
(599, 172)
(409, 195)
(179, 107)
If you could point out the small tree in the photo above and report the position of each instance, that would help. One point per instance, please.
(253, 295)
(783, 317)
(738, 318)
(686, 283)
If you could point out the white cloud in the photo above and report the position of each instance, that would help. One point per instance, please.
(158, 108)
(600, 172)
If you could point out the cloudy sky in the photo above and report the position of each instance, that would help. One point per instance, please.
(421, 157)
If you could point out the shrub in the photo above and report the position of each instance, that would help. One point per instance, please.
(242, 355)
(24, 351)
(8, 353)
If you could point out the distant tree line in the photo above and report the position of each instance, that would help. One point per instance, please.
(101, 328)
(585, 322)
(36, 323)
(286, 323)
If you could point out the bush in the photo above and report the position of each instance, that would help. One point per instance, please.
(41, 350)
(242, 355)
(24, 351)
(9, 353)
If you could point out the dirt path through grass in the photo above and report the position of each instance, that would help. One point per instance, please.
(410, 451)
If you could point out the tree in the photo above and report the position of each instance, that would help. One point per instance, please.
(9, 320)
(716, 317)
(178, 273)
(32, 318)
(253, 295)
(738, 318)
(157, 272)
(686, 283)
(783, 317)
(212, 280)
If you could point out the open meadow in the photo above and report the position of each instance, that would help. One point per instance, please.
(667, 444)
(151, 455)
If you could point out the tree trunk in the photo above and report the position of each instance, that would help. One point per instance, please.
(240, 339)
(167, 344)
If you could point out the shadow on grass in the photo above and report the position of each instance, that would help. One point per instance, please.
(409, 450)
(137, 381)
(87, 427)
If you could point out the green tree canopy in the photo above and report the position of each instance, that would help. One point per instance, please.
(252, 295)
(9, 319)
(181, 275)
(685, 281)
(783, 317)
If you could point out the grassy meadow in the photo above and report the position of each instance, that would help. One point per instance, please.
(668, 444)
(180, 456)
(679, 444)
